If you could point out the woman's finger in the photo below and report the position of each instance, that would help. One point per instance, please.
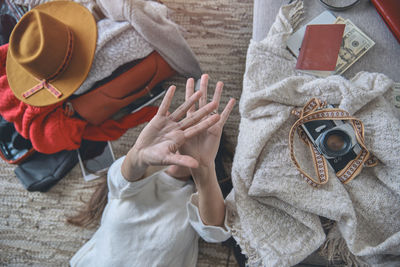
(166, 102)
(182, 109)
(197, 116)
(218, 93)
(189, 93)
(203, 88)
(202, 126)
(227, 111)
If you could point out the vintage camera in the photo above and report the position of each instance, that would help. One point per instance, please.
(335, 140)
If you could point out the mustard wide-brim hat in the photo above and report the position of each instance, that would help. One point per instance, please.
(50, 52)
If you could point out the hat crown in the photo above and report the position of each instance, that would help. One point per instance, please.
(40, 44)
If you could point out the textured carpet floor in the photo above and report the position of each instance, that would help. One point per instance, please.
(32, 225)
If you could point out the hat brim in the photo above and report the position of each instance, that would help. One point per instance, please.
(84, 29)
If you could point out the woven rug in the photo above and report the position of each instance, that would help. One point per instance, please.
(32, 225)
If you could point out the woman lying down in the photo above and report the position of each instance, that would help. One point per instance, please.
(154, 218)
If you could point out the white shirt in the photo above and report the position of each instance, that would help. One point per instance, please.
(151, 222)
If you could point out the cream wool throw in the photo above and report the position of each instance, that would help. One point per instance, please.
(274, 213)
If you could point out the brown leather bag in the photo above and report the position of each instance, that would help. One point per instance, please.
(101, 103)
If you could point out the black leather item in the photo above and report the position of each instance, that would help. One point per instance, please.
(42, 171)
(13, 147)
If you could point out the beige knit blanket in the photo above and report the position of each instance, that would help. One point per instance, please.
(275, 215)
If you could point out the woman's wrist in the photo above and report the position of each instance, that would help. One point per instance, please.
(204, 175)
(133, 168)
(211, 201)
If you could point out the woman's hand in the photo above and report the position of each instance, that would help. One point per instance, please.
(160, 140)
(204, 146)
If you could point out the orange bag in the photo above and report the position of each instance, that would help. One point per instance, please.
(101, 103)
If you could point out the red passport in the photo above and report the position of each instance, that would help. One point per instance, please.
(320, 47)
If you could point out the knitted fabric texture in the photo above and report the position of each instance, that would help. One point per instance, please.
(274, 214)
(117, 43)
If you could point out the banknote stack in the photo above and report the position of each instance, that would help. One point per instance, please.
(354, 45)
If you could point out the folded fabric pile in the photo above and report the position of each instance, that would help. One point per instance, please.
(274, 213)
(150, 20)
(108, 69)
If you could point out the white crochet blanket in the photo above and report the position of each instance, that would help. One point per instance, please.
(274, 214)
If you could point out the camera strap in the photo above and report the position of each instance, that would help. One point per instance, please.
(315, 109)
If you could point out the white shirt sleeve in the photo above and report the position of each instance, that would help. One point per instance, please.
(118, 186)
(210, 233)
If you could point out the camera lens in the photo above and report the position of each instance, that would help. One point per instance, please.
(335, 143)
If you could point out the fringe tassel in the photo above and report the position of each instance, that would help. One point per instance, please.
(296, 15)
(335, 248)
(253, 258)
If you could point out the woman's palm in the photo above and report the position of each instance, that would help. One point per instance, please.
(160, 140)
(204, 146)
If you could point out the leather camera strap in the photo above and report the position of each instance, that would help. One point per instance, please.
(314, 110)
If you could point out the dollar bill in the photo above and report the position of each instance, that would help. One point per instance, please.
(396, 94)
(354, 45)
